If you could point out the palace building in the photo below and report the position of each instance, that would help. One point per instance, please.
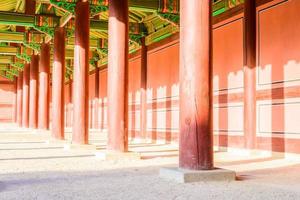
(205, 76)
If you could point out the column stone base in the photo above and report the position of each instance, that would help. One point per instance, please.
(112, 155)
(189, 176)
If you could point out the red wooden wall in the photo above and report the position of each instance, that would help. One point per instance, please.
(68, 105)
(134, 96)
(7, 100)
(163, 90)
(103, 99)
(278, 78)
(228, 82)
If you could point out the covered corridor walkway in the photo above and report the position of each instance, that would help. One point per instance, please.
(108, 99)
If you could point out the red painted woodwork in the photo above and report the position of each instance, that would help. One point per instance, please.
(118, 75)
(163, 91)
(50, 98)
(96, 101)
(103, 99)
(97, 92)
(33, 92)
(7, 89)
(134, 97)
(19, 98)
(250, 73)
(44, 70)
(228, 65)
(92, 93)
(279, 72)
(70, 115)
(196, 135)
(228, 78)
(277, 84)
(81, 72)
(25, 96)
(30, 7)
(68, 105)
(15, 101)
(143, 91)
(58, 76)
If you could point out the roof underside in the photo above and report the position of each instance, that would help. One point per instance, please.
(21, 34)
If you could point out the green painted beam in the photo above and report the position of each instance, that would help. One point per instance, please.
(144, 5)
(18, 19)
(93, 43)
(11, 18)
(13, 72)
(65, 19)
(3, 66)
(19, 66)
(24, 57)
(161, 34)
(69, 53)
(222, 6)
(34, 46)
(15, 37)
(8, 50)
(99, 6)
(3, 74)
(98, 25)
(6, 59)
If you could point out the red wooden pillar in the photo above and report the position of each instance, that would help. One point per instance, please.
(196, 143)
(118, 75)
(70, 105)
(33, 91)
(81, 73)
(250, 74)
(15, 101)
(44, 68)
(96, 101)
(30, 6)
(19, 98)
(25, 98)
(143, 90)
(58, 77)
(90, 112)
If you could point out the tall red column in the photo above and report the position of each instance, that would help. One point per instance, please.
(70, 105)
(15, 101)
(250, 74)
(58, 77)
(118, 75)
(25, 98)
(44, 68)
(143, 89)
(19, 98)
(33, 91)
(30, 6)
(196, 143)
(81, 73)
(96, 101)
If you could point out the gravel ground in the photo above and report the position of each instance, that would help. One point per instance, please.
(31, 168)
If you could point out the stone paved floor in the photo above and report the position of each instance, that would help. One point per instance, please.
(32, 168)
